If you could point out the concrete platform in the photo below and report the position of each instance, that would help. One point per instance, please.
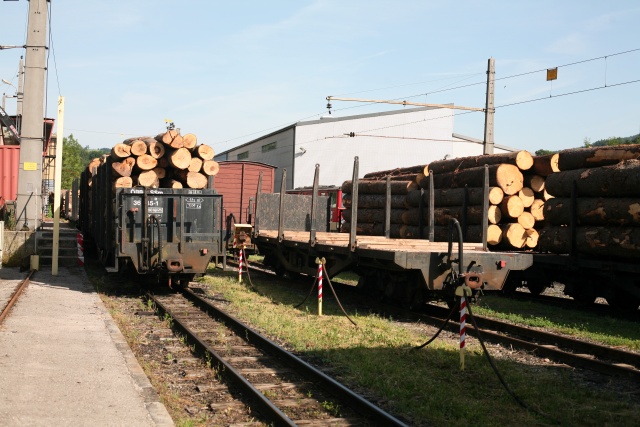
(63, 361)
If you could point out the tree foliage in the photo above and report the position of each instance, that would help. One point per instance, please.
(607, 142)
(75, 158)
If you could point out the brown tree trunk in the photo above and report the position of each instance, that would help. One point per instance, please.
(441, 233)
(148, 179)
(527, 196)
(204, 152)
(192, 179)
(123, 182)
(594, 211)
(210, 167)
(621, 242)
(546, 165)
(508, 177)
(120, 151)
(442, 215)
(535, 182)
(146, 162)
(526, 220)
(123, 168)
(171, 138)
(368, 229)
(155, 149)
(180, 158)
(514, 234)
(537, 209)
(93, 164)
(620, 180)
(171, 183)
(455, 196)
(579, 158)
(163, 162)
(374, 215)
(380, 187)
(137, 146)
(189, 141)
(523, 160)
(375, 201)
(512, 206)
(195, 165)
(160, 172)
(394, 172)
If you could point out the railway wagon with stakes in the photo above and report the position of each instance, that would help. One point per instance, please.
(168, 234)
(292, 232)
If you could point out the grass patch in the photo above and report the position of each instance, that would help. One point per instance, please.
(426, 386)
(580, 324)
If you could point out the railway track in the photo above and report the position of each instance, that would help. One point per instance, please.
(282, 387)
(15, 296)
(573, 352)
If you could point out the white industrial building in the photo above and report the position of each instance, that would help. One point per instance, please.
(381, 141)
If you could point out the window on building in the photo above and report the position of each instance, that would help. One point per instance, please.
(269, 147)
(243, 156)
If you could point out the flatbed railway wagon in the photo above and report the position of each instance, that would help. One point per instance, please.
(167, 233)
(292, 232)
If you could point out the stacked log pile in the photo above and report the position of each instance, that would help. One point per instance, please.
(170, 160)
(509, 216)
(607, 203)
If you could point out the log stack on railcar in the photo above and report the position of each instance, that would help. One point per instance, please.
(147, 205)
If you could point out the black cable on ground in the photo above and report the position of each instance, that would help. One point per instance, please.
(453, 310)
(324, 270)
(502, 380)
(310, 293)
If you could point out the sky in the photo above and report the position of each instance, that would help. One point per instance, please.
(230, 72)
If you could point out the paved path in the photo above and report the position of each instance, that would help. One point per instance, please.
(64, 362)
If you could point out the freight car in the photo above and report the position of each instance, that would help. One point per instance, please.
(164, 233)
(292, 232)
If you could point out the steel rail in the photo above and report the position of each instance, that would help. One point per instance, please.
(264, 405)
(355, 401)
(15, 296)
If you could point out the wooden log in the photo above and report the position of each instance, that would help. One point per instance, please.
(210, 167)
(189, 141)
(146, 162)
(512, 206)
(170, 183)
(594, 211)
(532, 236)
(380, 187)
(537, 209)
(195, 165)
(527, 196)
(441, 233)
(442, 215)
(123, 168)
(619, 180)
(579, 158)
(204, 152)
(191, 179)
(546, 165)
(623, 242)
(375, 201)
(149, 179)
(526, 220)
(123, 182)
(93, 164)
(534, 182)
(137, 146)
(394, 172)
(455, 196)
(374, 215)
(514, 235)
(180, 158)
(171, 138)
(508, 177)
(155, 149)
(160, 172)
(120, 151)
(163, 162)
(369, 229)
(523, 160)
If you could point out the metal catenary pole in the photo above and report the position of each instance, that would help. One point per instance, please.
(57, 187)
(489, 108)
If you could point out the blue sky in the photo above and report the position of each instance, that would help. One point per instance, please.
(232, 71)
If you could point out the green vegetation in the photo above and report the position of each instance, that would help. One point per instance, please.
(607, 142)
(76, 158)
(425, 386)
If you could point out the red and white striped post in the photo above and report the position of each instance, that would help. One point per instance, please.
(80, 245)
(240, 265)
(463, 329)
(320, 289)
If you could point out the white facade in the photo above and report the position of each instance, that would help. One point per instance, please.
(381, 141)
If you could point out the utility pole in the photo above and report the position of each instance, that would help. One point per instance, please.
(489, 108)
(32, 131)
(20, 92)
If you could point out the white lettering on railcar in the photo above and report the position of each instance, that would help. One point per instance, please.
(194, 205)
